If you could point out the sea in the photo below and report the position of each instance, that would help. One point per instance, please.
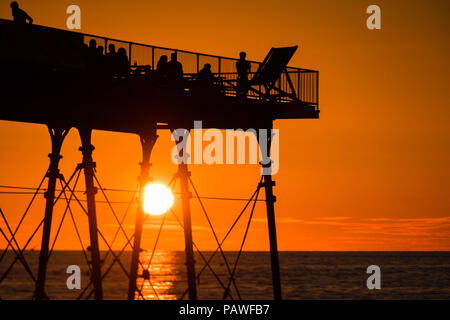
(304, 275)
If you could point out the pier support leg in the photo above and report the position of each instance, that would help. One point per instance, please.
(57, 137)
(186, 195)
(265, 141)
(148, 140)
(270, 200)
(88, 165)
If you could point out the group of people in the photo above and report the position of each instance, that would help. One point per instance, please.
(116, 63)
(170, 72)
(110, 64)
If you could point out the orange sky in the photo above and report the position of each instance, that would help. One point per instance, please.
(371, 174)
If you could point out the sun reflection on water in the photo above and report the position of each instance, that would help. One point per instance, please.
(163, 276)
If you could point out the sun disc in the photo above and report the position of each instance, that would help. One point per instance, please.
(158, 199)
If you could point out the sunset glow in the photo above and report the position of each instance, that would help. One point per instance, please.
(371, 174)
(157, 199)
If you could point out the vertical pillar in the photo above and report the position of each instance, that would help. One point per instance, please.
(148, 140)
(265, 142)
(184, 174)
(57, 137)
(88, 165)
(270, 200)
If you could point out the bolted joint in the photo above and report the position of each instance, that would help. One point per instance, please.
(52, 172)
(266, 165)
(87, 150)
(145, 166)
(263, 184)
(188, 195)
(146, 274)
(87, 165)
(94, 190)
(144, 180)
(273, 199)
(183, 173)
(54, 156)
(272, 183)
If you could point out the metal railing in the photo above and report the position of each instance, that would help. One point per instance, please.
(305, 82)
(295, 84)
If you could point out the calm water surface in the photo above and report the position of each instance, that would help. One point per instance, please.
(305, 275)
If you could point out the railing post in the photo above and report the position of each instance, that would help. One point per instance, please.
(129, 53)
(317, 89)
(198, 62)
(153, 58)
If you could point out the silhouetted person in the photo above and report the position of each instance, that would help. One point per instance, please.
(205, 76)
(101, 61)
(100, 50)
(138, 70)
(147, 71)
(111, 60)
(161, 69)
(161, 66)
(111, 51)
(243, 69)
(91, 56)
(19, 15)
(122, 62)
(175, 72)
(92, 46)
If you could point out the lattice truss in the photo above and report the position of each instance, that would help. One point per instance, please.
(70, 196)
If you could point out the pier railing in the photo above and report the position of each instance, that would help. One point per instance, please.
(294, 84)
(305, 82)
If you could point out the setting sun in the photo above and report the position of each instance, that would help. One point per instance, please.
(157, 199)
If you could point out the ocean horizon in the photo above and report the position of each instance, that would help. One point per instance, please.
(307, 275)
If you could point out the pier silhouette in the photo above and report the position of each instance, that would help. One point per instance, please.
(66, 80)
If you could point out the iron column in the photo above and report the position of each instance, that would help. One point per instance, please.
(88, 166)
(148, 140)
(184, 174)
(265, 143)
(57, 136)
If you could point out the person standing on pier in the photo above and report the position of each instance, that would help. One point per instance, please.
(175, 72)
(243, 69)
(19, 15)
